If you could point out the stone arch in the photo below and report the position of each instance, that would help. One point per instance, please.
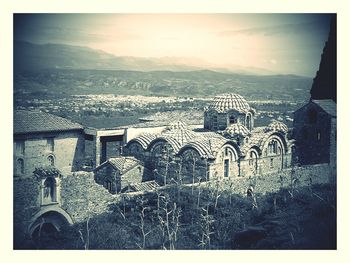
(135, 148)
(227, 160)
(279, 151)
(253, 155)
(55, 216)
(194, 165)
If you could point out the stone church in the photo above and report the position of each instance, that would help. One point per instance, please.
(228, 145)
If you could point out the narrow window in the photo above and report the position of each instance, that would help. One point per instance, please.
(20, 147)
(50, 144)
(318, 135)
(108, 185)
(215, 122)
(226, 168)
(232, 119)
(271, 163)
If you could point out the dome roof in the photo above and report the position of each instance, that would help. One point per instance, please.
(277, 126)
(226, 102)
(236, 129)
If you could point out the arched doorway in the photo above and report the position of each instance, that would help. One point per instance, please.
(46, 226)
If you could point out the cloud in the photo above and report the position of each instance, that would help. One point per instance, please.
(315, 27)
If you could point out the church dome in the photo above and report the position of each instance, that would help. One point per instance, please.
(225, 102)
(236, 129)
(277, 126)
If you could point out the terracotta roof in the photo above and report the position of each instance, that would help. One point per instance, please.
(257, 138)
(178, 130)
(37, 121)
(143, 139)
(236, 129)
(328, 106)
(226, 102)
(144, 186)
(121, 163)
(277, 126)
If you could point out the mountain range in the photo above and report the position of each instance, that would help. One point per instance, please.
(29, 56)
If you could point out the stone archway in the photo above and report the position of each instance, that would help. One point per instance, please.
(49, 219)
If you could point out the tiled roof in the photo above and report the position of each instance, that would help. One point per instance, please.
(144, 186)
(122, 163)
(236, 129)
(226, 102)
(37, 121)
(179, 131)
(257, 138)
(208, 143)
(277, 126)
(328, 106)
(143, 139)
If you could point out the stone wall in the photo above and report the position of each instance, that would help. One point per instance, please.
(81, 196)
(25, 205)
(267, 183)
(68, 151)
(333, 149)
(311, 148)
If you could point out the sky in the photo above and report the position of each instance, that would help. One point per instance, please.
(279, 43)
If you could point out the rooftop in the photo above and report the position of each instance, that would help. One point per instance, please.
(121, 163)
(328, 106)
(226, 102)
(37, 121)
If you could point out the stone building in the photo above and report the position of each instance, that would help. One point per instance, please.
(315, 132)
(43, 139)
(227, 146)
(119, 174)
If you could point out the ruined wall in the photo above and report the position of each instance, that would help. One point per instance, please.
(302, 176)
(68, 151)
(26, 204)
(81, 196)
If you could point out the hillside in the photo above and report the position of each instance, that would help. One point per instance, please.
(203, 83)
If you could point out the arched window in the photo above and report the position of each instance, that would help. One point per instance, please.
(49, 190)
(51, 160)
(248, 123)
(312, 114)
(108, 185)
(215, 122)
(20, 166)
(232, 119)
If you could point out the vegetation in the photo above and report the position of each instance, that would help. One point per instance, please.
(209, 219)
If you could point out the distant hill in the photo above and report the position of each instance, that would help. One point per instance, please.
(202, 83)
(29, 56)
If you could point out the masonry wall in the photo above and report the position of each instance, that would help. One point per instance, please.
(107, 173)
(133, 176)
(312, 150)
(25, 205)
(266, 183)
(81, 196)
(68, 151)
